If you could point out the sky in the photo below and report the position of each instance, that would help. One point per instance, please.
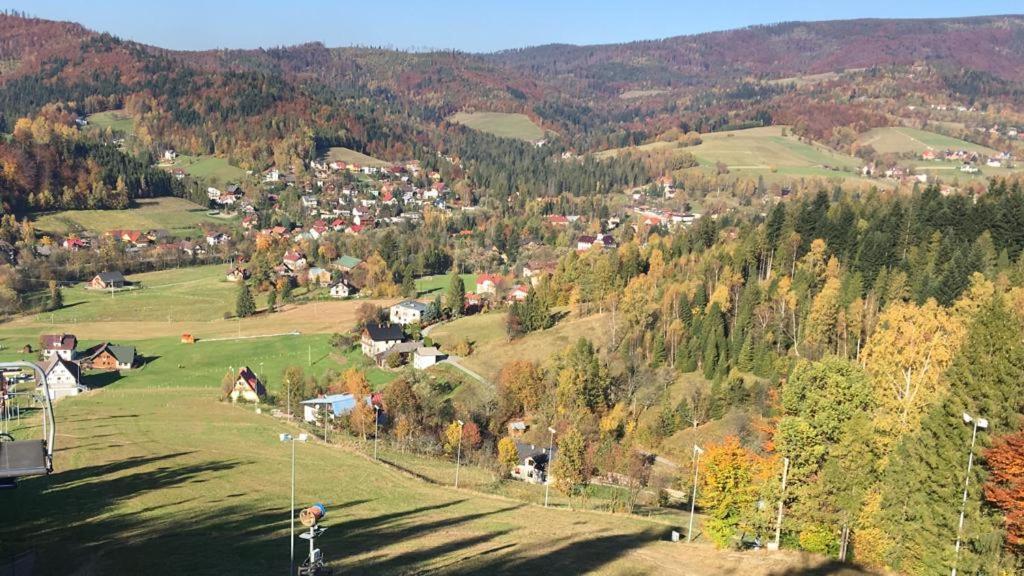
(473, 26)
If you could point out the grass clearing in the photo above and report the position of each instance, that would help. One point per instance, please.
(765, 148)
(504, 125)
(437, 284)
(347, 155)
(116, 120)
(178, 216)
(491, 350)
(213, 169)
(902, 140)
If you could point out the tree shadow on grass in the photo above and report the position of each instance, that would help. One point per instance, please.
(826, 568)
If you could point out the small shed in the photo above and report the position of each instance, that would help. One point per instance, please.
(187, 338)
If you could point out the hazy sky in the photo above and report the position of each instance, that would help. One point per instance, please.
(480, 26)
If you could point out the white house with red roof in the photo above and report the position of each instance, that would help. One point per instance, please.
(487, 283)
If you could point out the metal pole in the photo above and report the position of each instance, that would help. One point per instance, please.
(291, 562)
(547, 471)
(963, 504)
(693, 498)
(782, 497)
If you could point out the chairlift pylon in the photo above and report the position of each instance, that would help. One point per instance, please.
(21, 458)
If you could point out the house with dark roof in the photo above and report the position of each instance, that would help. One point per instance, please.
(377, 338)
(533, 463)
(107, 280)
(62, 345)
(247, 387)
(107, 356)
(63, 377)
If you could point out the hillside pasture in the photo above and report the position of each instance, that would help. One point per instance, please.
(501, 124)
(903, 140)
(349, 156)
(767, 148)
(491, 349)
(430, 286)
(178, 216)
(116, 120)
(212, 169)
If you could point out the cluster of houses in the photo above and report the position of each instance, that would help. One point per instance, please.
(383, 342)
(63, 364)
(969, 160)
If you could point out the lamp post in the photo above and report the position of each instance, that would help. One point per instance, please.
(458, 458)
(376, 429)
(547, 470)
(285, 437)
(697, 451)
(978, 423)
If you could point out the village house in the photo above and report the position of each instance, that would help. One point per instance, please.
(110, 357)
(425, 357)
(236, 274)
(63, 377)
(533, 464)
(59, 345)
(474, 303)
(294, 260)
(518, 293)
(404, 352)
(377, 338)
(341, 288)
(309, 201)
(407, 312)
(247, 387)
(535, 270)
(333, 404)
(216, 238)
(319, 276)
(586, 242)
(107, 280)
(488, 283)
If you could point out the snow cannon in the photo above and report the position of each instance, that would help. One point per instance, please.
(310, 516)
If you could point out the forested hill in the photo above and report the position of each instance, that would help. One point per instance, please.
(274, 105)
(990, 44)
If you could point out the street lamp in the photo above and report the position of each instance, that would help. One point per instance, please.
(285, 437)
(547, 471)
(782, 498)
(697, 451)
(376, 428)
(458, 460)
(978, 423)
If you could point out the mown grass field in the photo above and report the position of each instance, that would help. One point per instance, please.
(437, 284)
(213, 169)
(902, 140)
(491, 350)
(518, 126)
(341, 154)
(117, 120)
(180, 217)
(765, 148)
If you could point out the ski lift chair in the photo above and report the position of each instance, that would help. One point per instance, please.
(21, 458)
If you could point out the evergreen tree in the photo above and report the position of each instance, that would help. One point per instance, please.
(244, 305)
(455, 298)
(408, 283)
(56, 296)
(271, 300)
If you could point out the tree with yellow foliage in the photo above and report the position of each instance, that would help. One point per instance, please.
(729, 484)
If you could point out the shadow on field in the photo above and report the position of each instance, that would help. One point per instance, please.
(828, 568)
(98, 380)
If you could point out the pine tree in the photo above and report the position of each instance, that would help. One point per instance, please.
(245, 305)
(408, 283)
(658, 352)
(271, 300)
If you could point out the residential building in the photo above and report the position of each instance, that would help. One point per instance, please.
(407, 312)
(377, 338)
(247, 387)
(110, 357)
(107, 280)
(59, 345)
(425, 357)
(63, 377)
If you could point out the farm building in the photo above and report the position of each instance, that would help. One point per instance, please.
(62, 345)
(247, 387)
(337, 404)
(377, 338)
(236, 274)
(62, 377)
(187, 338)
(107, 280)
(425, 357)
(109, 356)
(407, 312)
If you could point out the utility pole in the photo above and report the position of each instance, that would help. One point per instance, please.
(547, 469)
(458, 461)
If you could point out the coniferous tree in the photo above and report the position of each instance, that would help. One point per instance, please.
(244, 305)
(455, 298)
